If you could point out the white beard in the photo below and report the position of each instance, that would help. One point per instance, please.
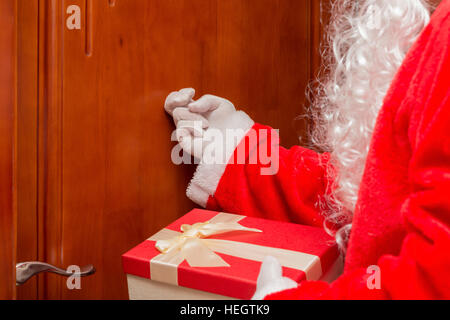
(368, 41)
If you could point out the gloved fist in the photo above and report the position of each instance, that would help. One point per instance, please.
(271, 280)
(195, 119)
(210, 129)
(189, 125)
(216, 110)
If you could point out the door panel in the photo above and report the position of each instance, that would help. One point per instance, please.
(7, 149)
(105, 180)
(27, 89)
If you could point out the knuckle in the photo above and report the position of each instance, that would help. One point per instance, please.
(172, 94)
(208, 97)
(186, 90)
(170, 97)
(228, 107)
(176, 112)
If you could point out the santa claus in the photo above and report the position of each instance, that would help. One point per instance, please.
(382, 186)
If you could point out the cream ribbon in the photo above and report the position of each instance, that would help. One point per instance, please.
(193, 246)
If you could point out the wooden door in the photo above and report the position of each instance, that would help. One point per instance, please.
(93, 140)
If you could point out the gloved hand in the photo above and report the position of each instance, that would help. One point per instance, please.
(189, 125)
(271, 280)
(198, 121)
(215, 109)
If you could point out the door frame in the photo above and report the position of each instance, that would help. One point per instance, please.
(38, 142)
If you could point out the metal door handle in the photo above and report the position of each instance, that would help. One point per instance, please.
(26, 270)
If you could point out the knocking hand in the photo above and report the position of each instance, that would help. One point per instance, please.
(214, 109)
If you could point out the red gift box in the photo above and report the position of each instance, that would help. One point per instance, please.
(304, 252)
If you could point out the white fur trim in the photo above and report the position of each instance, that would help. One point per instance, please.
(207, 176)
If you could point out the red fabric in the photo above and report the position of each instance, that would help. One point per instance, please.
(290, 195)
(402, 220)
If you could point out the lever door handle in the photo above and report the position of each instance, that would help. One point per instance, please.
(26, 270)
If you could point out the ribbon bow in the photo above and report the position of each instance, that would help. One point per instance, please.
(193, 246)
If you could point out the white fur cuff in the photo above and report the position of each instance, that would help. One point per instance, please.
(207, 176)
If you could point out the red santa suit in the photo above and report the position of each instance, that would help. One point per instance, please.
(402, 217)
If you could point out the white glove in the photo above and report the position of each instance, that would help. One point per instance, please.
(215, 109)
(189, 125)
(196, 120)
(202, 131)
(271, 280)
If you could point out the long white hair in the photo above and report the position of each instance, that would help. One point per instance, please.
(366, 43)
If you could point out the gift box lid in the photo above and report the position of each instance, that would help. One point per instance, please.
(305, 253)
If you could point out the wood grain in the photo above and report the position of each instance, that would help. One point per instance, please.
(50, 186)
(27, 75)
(8, 212)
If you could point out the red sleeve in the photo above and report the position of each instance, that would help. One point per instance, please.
(290, 191)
